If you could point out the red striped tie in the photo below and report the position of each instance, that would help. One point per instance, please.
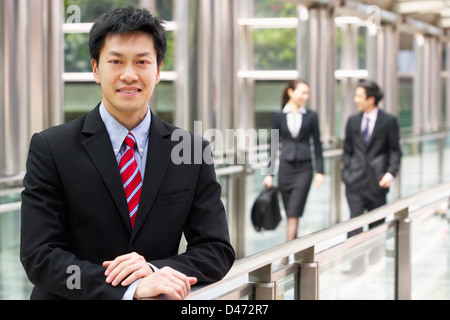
(131, 177)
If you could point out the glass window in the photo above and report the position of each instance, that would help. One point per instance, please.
(76, 53)
(406, 54)
(164, 100)
(274, 9)
(405, 102)
(275, 49)
(169, 60)
(362, 47)
(90, 10)
(339, 32)
(406, 68)
(164, 9)
(80, 98)
(267, 101)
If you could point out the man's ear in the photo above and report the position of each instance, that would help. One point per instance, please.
(94, 65)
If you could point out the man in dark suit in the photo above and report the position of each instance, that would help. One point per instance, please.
(79, 221)
(372, 153)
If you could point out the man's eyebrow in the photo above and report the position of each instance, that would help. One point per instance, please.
(141, 54)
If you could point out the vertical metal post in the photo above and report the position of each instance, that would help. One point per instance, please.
(447, 84)
(386, 65)
(14, 99)
(181, 112)
(236, 211)
(403, 273)
(303, 58)
(265, 288)
(205, 63)
(55, 62)
(32, 93)
(418, 84)
(224, 64)
(336, 198)
(323, 56)
(244, 108)
(2, 84)
(309, 274)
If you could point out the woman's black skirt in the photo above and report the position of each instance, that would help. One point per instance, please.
(294, 180)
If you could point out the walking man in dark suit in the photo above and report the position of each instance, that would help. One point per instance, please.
(104, 198)
(372, 153)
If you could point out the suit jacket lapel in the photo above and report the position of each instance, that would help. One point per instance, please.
(98, 146)
(360, 134)
(378, 125)
(158, 159)
(379, 122)
(305, 119)
(301, 130)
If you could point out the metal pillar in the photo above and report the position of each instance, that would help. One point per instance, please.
(14, 99)
(309, 274)
(322, 66)
(447, 85)
(403, 270)
(183, 54)
(32, 66)
(265, 287)
(387, 60)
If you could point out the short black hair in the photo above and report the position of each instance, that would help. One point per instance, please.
(124, 20)
(372, 90)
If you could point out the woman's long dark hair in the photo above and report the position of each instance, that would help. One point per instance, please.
(292, 84)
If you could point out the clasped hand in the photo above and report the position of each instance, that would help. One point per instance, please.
(128, 268)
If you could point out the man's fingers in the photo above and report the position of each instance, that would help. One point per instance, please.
(129, 267)
(166, 281)
(111, 265)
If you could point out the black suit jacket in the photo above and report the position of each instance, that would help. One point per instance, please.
(367, 163)
(74, 211)
(299, 148)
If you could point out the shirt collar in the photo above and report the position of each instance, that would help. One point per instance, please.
(118, 132)
(301, 110)
(372, 114)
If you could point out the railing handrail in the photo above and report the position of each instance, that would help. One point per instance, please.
(258, 260)
(15, 178)
(7, 207)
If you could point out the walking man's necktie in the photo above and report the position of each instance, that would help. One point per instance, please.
(366, 132)
(131, 177)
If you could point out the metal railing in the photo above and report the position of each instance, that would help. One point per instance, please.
(255, 277)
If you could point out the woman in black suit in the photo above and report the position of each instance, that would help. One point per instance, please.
(296, 126)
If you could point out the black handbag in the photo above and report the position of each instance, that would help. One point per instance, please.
(266, 210)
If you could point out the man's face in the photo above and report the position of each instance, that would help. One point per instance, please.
(127, 72)
(363, 103)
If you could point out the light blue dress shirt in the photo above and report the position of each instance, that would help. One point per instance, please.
(117, 134)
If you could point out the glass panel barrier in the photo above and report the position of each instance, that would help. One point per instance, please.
(316, 214)
(447, 156)
(430, 163)
(286, 287)
(365, 271)
(431, 258)
(14, 284)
